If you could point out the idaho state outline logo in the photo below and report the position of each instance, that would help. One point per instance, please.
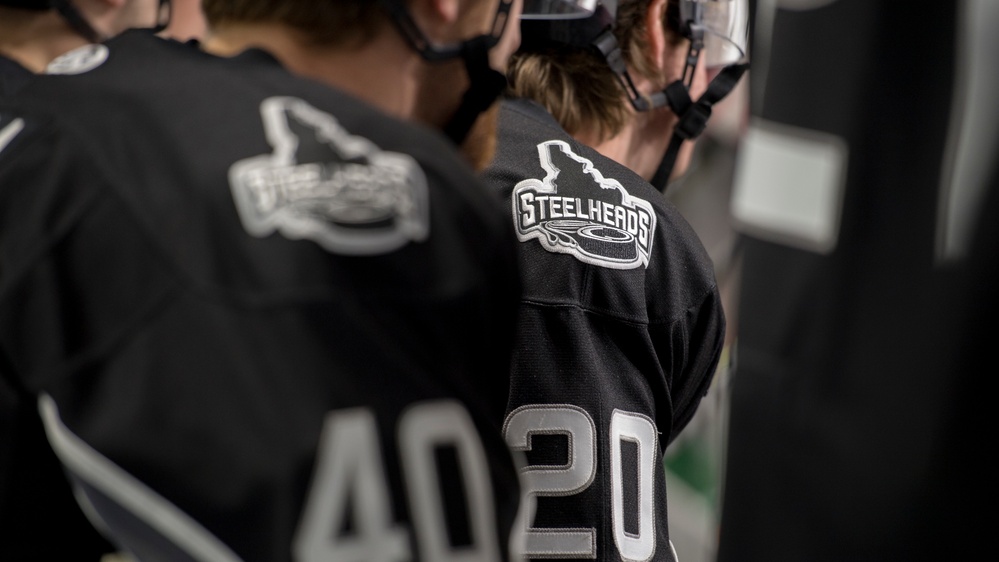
(575, 210)
(324, 184)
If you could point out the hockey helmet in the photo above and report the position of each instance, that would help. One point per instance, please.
(718, 31)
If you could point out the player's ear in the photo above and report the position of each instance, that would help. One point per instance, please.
(655, 29)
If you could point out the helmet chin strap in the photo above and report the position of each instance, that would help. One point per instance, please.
(485, 83)
(77, 21)
(693, 116)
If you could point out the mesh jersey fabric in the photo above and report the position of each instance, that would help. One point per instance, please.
(202, 360)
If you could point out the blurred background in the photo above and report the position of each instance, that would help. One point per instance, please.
(694, 462)
(848, 194)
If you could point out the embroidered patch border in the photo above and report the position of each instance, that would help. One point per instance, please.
(360, 200)
(599, 224)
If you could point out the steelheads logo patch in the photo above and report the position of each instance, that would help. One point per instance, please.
(323, 184)
(575, 210)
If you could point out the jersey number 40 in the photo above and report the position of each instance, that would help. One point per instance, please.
(349, 472)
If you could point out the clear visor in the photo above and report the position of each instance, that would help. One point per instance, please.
(724, 25)
(557, 9)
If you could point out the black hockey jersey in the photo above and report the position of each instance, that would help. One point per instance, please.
(264, 321)
(620, 331)
(34, 495)
(12, 76)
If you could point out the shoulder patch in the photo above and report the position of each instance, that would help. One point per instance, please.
(323, 184)
(80, 60)
(575, 210)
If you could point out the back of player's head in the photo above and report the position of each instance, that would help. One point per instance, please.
(570, 66)
(573, 81)
(335, 22)
(340, 22)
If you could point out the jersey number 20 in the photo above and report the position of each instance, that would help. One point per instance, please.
(579, 473)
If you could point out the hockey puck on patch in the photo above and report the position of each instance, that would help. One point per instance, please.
(597, 239)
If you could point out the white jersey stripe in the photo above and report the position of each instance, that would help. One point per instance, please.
(120, 486)
(8, 133)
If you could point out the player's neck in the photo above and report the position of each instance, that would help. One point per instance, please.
(357, 71)
(34, 41)
(641, 144)
(638, 146)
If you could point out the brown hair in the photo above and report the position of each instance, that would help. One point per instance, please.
(322, 22)
(578, 87)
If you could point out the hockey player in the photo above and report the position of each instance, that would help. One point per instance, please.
(265, 320)
(34, 494)
(621, 323)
